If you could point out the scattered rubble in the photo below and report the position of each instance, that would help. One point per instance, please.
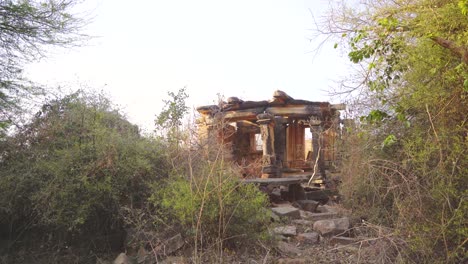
(144, 247)
(320, 236)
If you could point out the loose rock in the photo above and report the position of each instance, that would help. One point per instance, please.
(308, 238)
(308, 205)
(171, 245)
(287, 211)
(285, 230)
(122, 258)
(288, 249)
(317, 216)
(332, 226)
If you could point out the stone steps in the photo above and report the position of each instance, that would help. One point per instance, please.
(309, 227)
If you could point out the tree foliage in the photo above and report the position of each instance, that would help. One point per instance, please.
(73, 167)
(169, 121)
(411, 142)
(27, 29)
(174, 110)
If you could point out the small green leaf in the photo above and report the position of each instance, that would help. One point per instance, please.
(335, 46)
(389, 140)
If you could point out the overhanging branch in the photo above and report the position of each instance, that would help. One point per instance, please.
(458, 50)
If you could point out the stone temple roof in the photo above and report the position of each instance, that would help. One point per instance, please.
(281, 104)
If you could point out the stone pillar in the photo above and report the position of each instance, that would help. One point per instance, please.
(280, 143)
(267, 130)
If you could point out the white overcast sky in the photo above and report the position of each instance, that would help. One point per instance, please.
(237, 48)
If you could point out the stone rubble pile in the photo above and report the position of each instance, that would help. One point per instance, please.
(299, 227)
(317, 226)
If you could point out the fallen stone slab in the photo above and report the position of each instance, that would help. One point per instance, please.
(308, 205)
(331, 227)
(317, 216)
(287, 211)
(287, 231)
(308, 238)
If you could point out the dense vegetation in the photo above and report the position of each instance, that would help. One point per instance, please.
(75, 174)
(78, 173)
(71, 169)
(407, 159)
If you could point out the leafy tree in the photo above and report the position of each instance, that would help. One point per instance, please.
(174, 110)
(170, 119)
(73, 167)
(27, 29)
(412, 136)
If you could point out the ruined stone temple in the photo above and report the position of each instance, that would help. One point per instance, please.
(282, 135)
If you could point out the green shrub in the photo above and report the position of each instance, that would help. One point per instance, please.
(73, 166)
(214, 207)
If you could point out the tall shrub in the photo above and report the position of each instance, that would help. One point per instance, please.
(73, 166)
(407, 160)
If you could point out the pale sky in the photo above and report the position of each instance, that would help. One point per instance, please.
(237, 48)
